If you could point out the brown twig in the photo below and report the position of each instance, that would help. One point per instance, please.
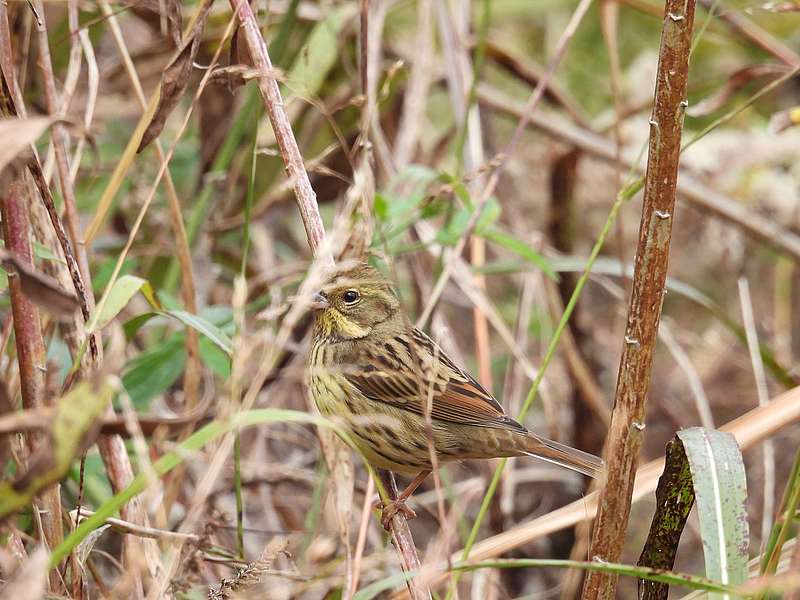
(31, 355)
(287, 144)
(60, 146)
(309, 211)
(40, 419)
(401, 536)
(644, 312)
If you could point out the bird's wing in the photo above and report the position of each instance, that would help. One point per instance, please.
(412, 372)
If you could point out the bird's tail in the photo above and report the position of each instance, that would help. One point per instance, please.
(564, 456)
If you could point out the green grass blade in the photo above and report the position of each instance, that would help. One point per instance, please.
(668, 577)
(720, 489)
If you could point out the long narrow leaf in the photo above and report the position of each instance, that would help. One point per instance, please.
(720, 490)
(690, 581)
(124, 288)
(211, 331)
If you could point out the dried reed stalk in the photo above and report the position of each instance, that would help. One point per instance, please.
(309, 212)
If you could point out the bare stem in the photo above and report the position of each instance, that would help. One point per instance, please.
(60, 143)
(309, 212)
(644, 312)
(287, 144)
(31, 355)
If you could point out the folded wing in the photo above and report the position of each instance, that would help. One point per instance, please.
(412, 372)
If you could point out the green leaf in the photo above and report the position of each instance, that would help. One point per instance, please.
(458, 224)
(208, 329)
(518, 247)
(380, 206)
(216, 359)
(154, 371)
(42, 252)
(150, 295)
(459, 188)
(720, 488)
(319, 55)
(132, 326)
(124, 288)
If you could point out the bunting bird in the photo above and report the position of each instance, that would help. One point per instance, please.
(400, 397)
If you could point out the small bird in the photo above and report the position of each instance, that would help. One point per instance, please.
(400, 396)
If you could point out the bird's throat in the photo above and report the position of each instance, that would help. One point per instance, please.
(334, 325)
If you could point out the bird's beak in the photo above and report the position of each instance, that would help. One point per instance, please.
(319, 302)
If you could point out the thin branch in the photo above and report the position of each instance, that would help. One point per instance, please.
(309, 212)
(287, 144)
(60, 140)
(31, 354)
(404, 542)
(644, 312)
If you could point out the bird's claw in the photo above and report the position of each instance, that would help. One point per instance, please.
(391, 508)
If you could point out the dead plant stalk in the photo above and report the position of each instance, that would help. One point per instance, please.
(309, 212)
(31, 354)
(644, 311)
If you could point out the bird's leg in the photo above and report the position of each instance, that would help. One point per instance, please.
(392, 507)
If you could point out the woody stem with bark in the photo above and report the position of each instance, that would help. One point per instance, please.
(31, 355)
(644, 311)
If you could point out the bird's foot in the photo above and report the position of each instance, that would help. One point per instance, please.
(391, 508)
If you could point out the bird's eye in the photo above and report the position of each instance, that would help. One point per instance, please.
(350, 297)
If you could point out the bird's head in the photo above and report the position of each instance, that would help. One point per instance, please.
(353, 302)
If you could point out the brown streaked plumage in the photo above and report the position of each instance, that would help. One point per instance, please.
(381, 376)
